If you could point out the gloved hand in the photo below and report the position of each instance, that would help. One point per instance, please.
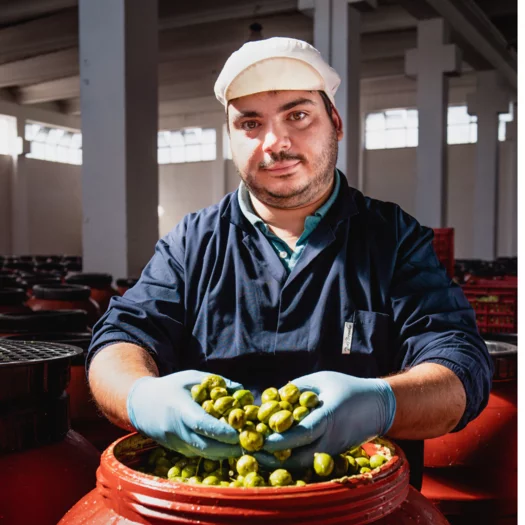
(162, 408)
(352, 411)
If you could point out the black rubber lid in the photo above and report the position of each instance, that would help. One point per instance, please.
(26, 258)
(94, 280)
(8, 281)
(128, 282)
(49, 266)
(61, 292)
(19, 265)
(12, 296)
(44, 321)
(30, 281)
(72, 266)
(72, 258)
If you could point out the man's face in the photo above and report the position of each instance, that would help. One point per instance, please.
(284, 145)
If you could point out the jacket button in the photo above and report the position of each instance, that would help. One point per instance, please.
(283, 255)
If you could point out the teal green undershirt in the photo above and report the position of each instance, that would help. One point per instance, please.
(287, 256)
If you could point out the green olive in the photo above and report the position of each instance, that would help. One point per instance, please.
(224, 483)
(290, 393)
(194, 461)
(245, 397)
(209, 407)
(364, 470)
(224, 404)
(218, 392)
(340, 466)
(286, 406)
(163, 462)
(270, 394)
(236, 483)
(280, 478)
(358, 452)
(181, 463)
(283, 455)
(195, 480)
(162, 472)
(251, 412)
(249, 425)
(300, 483)
(155, 454)
(254, 480)
(213, 381)
(188, 472)
(300, 413)
(353, 467)
(237, 418)
(377, 460)
(309, 399)
(323, 464)
(363, 462)
(247, 464)
(263, 429)
(281, 421)
(251, 440)
(240, 479)
(211, 480)
(178, 479)
(222, 473)
(267, 410)
(199, 393)
(208, 465)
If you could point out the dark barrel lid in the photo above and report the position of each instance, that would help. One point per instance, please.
(25, 258)
(12, 296)
(20, 353)
(72, 266)
(8, 281)
(128, 282)
(93, 280)
(30, 281)
(49, 267)
(61, 292)
(19, 265)
(44, 321)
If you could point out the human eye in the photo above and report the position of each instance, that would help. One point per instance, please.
(298, 115)
(249, 125)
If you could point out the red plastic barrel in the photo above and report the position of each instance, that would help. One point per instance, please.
(100, 284)
(474, 471)
(125, 496)
(44, 466)
(64, 297)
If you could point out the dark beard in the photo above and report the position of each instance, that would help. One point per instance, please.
(323, 169)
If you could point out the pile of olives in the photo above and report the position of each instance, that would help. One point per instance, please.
(246, 472)
(279, 410)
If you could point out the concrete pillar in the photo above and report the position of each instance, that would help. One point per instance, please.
(19, 206)
(510, 249)
(432, 62)
(118, 75)
(490, 99)
(337, 35)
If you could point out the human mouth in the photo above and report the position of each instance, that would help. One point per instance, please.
(282, 167)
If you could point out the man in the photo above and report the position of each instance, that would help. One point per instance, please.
(293, 277)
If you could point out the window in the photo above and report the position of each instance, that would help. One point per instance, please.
(398, 128)
(7, 135)
(187, 145)
(53, 144)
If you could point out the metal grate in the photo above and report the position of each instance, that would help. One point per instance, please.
(29, 352)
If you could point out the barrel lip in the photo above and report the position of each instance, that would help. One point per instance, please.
(353, 502)
(31, 353)
(93, 280)
(64, 292)
(14, 295)
(44, 321)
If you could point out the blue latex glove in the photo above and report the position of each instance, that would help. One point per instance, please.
(352, 411)
(162, 408)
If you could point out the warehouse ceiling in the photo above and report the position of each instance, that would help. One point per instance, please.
(39, 42)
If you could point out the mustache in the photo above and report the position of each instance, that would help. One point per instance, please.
(280, 157)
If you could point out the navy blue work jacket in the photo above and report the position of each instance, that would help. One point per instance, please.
(215, 297)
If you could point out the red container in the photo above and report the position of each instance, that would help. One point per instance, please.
(64, 297)
(474, 471)
(125, 496)
(44, 467)
(495, 302)
(100, 284)
(123, 285)
(13, 300)
(444, 246)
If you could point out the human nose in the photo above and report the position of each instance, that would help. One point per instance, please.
(276, 139)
